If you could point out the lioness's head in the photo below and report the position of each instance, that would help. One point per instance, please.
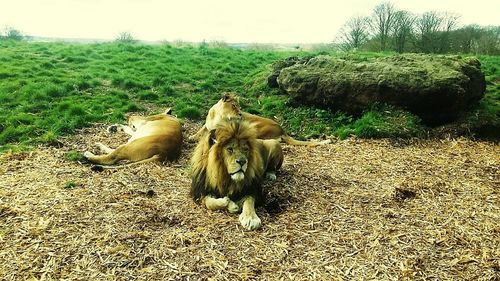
(136, 121)
(227, 107)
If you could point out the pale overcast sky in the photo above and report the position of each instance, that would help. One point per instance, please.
(233, 21)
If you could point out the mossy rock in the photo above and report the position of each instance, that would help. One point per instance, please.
(436, 88)
(277, 66)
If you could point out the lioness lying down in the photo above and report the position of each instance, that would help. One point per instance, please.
(228, 107)
(228, 167)
(156, 137)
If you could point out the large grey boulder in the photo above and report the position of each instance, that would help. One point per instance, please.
(436, 88)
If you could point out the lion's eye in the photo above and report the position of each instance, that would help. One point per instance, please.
(230, 149)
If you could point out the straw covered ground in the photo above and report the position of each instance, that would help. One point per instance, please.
(351, 210)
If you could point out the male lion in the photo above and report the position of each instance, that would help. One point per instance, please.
(156, 137)
(228, 107)
(228, 167)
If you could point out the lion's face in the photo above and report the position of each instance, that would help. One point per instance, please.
(226, 160)
(235, 154)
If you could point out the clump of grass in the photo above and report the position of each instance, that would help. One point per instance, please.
(70, 185)
(382, 122)
(301, 122)
(189, 112)
(307, 122)
(485, 117)
(49, 137)
(21, 119)
(11, 134)
(74, 156)
(148, 96)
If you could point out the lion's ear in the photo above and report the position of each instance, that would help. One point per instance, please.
(168, 111)
(226, 96)
(211, 138)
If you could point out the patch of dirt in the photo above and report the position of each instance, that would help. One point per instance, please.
(354, 209)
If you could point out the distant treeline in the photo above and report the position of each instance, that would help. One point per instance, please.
(390, 29)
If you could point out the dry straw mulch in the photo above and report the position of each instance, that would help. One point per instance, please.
(351, 210)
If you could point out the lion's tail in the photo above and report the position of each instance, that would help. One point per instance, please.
(289, 140)
(106, 167)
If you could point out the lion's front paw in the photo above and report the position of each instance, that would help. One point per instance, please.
(216, 203)
(233, 207)
(88, 154)
(114, 128)
(250, 222)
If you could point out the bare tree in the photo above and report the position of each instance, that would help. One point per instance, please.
(354, 33)
(434, 31)
(429, 22)
(464, 39)
(450, 21)
(402, 30)
(382, 22)
(428, 26)
(489, 42)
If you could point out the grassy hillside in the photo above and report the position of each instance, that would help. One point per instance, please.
(51, 89)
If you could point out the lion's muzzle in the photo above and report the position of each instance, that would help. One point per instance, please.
(239, 172)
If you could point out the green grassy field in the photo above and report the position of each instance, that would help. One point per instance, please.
(51, 89)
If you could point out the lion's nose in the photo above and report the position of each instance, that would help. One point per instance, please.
(241, 161)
